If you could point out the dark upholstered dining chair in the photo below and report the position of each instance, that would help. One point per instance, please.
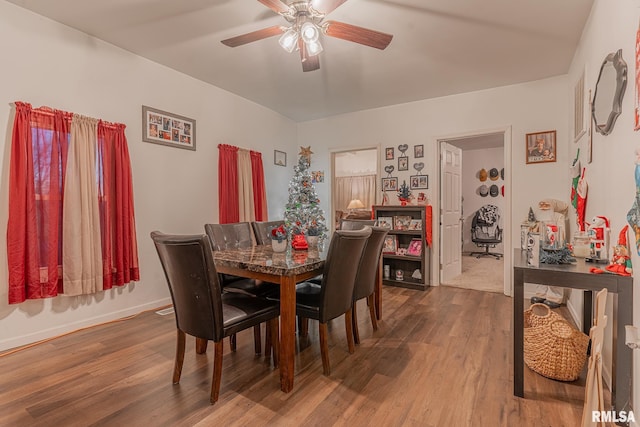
(334, 296)
(356, 224)
(237, 235)
(366, 277)
(262, 230)
(202, 310)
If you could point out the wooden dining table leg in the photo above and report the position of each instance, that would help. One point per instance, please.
(287, 332)
(378, 291)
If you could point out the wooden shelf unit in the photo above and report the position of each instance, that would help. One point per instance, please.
(407, 263)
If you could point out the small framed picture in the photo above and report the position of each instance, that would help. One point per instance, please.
(401, 222)
(415, 247)
(403, 163)
(415, 224)
(388, 153)
(279, 158)
(317, 176)
(541, 147)
(418, 151)
(419, 182)
(390, 245)
(385, 222)
(390, 184)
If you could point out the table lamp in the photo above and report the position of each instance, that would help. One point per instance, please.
(355, 204)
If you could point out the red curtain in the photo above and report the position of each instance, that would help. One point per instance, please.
(39, 148)
(228, 184)
(117, 219)
(38, 151)
(259, 191)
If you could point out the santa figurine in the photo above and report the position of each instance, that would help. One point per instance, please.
(621, 262)
(598, 232)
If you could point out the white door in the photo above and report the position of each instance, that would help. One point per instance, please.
(450, 212)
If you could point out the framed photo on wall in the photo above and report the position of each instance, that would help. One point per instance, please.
(388, 153)
(403, 163)
(419, 182)
(161, 127)
(390, 184)
(541, 147)
(418, 151)
(279, 158)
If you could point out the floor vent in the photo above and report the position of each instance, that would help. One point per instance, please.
(165, 311)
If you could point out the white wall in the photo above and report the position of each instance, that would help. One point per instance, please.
(530, 107)
(175, 190)
(612, 25)
(356, 163)
(473, 161)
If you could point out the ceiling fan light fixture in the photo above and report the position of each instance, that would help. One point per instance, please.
(309, 32)
(289, 40)
(314, 48)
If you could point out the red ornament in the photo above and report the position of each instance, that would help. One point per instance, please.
(299, 243)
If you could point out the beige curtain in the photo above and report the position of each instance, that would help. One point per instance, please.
(245, 187)
(81, 249)
(348, 188)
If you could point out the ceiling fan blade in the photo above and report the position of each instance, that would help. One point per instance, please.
(357, 34)
(253, 36)
(309, 63)
(276, 5)
(326, 6)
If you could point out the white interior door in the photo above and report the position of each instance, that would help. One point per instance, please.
(450, 212)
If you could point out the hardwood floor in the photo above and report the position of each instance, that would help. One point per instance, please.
(439, 358)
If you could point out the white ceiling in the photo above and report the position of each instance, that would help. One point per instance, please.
(440, 47)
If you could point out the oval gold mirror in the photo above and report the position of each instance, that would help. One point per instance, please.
(607, 98)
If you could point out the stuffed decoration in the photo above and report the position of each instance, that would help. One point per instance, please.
(599, 238)
(621, 262)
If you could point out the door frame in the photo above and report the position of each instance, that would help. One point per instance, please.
(506, 132)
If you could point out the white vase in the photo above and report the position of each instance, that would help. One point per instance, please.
(280, 246)
(312, 240)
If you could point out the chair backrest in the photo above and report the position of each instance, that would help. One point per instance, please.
(193, 282)
(340, 269)
(486, 223)
(366, 277)
(356, 224)
(262, 231)
(236, 235)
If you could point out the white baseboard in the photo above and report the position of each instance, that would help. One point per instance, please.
(14, 342)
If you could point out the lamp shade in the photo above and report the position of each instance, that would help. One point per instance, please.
(355, 204)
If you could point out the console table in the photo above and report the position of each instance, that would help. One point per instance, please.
(577, 276)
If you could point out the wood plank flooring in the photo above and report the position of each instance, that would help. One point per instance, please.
(440, 358)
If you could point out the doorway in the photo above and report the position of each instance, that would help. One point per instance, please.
(354, 180)
(489, 151)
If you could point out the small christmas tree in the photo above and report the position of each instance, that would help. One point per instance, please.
(302, 212)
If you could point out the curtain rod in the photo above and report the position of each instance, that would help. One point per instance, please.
(48, 111)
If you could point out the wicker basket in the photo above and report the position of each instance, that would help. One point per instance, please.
(539, 314)
(555, 349)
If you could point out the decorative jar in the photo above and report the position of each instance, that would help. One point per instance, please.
(279, 246)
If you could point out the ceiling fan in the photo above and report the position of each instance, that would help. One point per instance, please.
(306, 23)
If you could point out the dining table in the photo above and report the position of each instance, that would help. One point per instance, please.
(285, 269)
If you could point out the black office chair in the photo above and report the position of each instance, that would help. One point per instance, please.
(262, 230)
(202, 310)
(366, 277)
(485, 230)
(334, 296)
